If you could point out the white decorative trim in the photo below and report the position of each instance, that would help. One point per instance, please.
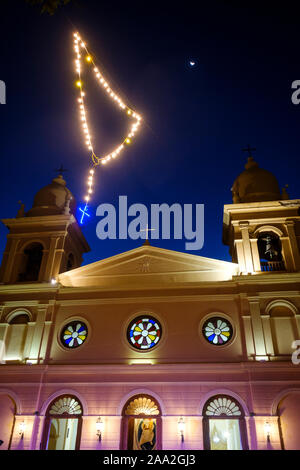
(65, 391)
(223, 391)
(140, 391)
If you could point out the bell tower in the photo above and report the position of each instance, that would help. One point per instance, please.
(44, 241)
(262, 226)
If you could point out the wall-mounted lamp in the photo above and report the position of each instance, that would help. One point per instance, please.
(99, 428)
(22, 428)
(267, 430)
(181, 428)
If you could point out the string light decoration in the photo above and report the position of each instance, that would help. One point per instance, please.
(81, 52)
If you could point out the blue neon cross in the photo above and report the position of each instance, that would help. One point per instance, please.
(84, 212)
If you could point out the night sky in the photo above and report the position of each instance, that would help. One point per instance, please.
(196, 121)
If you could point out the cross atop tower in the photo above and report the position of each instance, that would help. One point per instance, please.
(61, 170)
(249, 150)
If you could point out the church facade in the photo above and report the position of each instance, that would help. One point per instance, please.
(151, 348)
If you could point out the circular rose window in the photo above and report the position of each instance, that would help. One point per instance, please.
(217, 331)
(74, 334)
(144, 332)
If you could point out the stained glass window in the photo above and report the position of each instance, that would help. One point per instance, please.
(142, 405)
(144, 332)
(74, 334)
(68, 405)
(218, 406)
(217, 331)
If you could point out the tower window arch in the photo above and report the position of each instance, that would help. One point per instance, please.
(31, 263)
(270, 252)
(224, 424)
(20, 318)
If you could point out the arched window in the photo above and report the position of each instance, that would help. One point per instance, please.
(63, 423)
(223, 424)
(15, 340)
(270, 252)
(283, 325)
(31, 263)
(141, 424)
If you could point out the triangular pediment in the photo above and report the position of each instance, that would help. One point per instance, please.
(149, 266)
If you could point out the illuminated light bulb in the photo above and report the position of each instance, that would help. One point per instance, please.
(96, 70)
(80, 100)
(87, 198)
(82, 44)
(90, 147)
(129, 112)
(103, 162)
(92, 172)
(78, 83)
(88, 58)
(90, 191)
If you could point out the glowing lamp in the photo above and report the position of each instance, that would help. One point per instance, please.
(22, 428)
(267, 428)
(99, 428)
(181, 428)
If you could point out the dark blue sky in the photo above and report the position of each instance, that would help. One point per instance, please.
(195, 121)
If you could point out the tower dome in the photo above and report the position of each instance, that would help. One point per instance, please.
(255, 184)
(55, 198)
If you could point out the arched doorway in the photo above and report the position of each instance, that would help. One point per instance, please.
(224, 424)
(288, 411)
(141, 424)
(63, 424)
(7, 420)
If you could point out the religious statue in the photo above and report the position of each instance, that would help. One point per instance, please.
(145, 434)
(270, 251)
